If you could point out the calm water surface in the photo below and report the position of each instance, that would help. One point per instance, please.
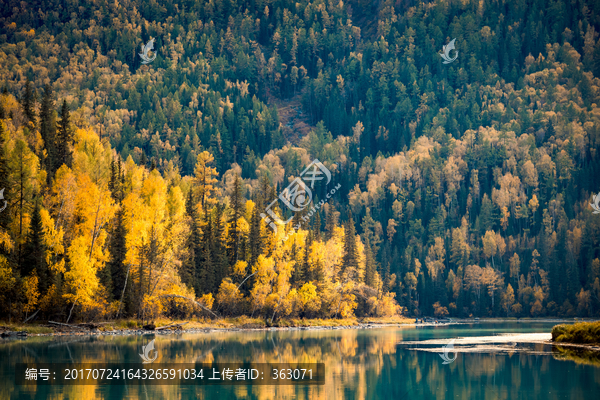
(360, 364)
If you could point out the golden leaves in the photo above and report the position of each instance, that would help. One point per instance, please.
(7, 280)
(207, 300)
(53, 241)
(239, 268)
(30, 286)
(229, 296)
(435, 258)
(205, 179)
(81, 279)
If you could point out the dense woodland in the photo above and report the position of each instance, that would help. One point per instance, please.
(136, 190)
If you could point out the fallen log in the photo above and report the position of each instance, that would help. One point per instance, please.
(190, 300)
(173, 325)
(61, 324)
(90, 325)
(31, 316)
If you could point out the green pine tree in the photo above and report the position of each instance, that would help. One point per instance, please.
(206, 272)
(188, 267)
(330, 222)
(4, 185)
(317, 229)
(370, 265)
(350, 258)
(219, 248)
(28, 102)
(113, 180)
(48, 131)
(34, 259)
(236, 203)
(307, 274)
(116, 265)
(64, 137)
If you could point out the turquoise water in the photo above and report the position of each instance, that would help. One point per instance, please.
(359, 364)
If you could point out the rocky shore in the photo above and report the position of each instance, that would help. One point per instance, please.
(6, 334)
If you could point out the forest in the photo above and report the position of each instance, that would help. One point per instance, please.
(136, 190)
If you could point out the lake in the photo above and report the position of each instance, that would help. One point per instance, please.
(359, 364)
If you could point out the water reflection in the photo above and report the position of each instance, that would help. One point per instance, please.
(578, 355)
(360, 364)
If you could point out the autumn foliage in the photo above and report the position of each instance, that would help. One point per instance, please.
(107, 238)
(464, 188)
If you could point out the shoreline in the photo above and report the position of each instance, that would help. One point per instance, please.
(304, 325)
(139, 332)
(129, 327)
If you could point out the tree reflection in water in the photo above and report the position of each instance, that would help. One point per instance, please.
(360, 364)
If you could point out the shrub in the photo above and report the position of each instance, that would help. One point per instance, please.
(583, 332)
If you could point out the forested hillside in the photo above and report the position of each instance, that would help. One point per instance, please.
(464, 188)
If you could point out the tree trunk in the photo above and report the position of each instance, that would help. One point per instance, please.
(123, 292)
(71, 311)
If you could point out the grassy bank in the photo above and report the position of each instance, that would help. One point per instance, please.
(580, 333)
(200, 323)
